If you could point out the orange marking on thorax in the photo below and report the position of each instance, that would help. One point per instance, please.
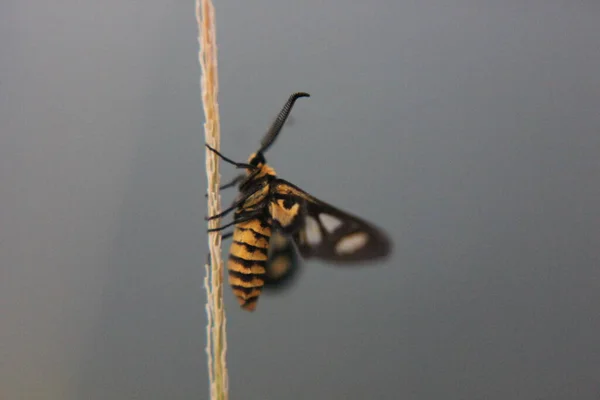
(264, 170)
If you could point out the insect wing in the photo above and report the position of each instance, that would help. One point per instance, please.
(282, 265)
(287, 211)
(329, 233)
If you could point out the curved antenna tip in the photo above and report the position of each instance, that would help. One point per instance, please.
(279, 121)
(300, 94)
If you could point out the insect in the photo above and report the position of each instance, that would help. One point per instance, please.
(273, 219)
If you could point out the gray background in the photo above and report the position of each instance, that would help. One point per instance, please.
(468, 129)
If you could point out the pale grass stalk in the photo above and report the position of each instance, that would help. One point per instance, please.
(216, 342)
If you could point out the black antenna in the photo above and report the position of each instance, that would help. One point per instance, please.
(279, 121)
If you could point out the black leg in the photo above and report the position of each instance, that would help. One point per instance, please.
(221, 227)
(244, 218)
(223, 213)
(227, 235)
(234, 205)
(234, 182)
(230, 161)
(229, 224)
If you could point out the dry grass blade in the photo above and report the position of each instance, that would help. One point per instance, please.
(216, 346)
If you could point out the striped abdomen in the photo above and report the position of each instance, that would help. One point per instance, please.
(248, 260)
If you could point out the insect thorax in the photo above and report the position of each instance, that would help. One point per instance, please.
(257, 198)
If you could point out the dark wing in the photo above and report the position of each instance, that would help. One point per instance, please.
(323, 231)
(282, 264)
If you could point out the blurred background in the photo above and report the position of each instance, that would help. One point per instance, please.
(469, 130)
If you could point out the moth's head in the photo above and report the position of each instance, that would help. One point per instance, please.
(257, 159)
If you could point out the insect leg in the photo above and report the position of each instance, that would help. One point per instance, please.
(230, 161)
(236, 204)
(228, 225)
(234, 182)
(227, 235)
(222, 227)
(226, 211)
(246, 217)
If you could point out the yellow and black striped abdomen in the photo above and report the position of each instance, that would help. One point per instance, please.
(248, 260)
